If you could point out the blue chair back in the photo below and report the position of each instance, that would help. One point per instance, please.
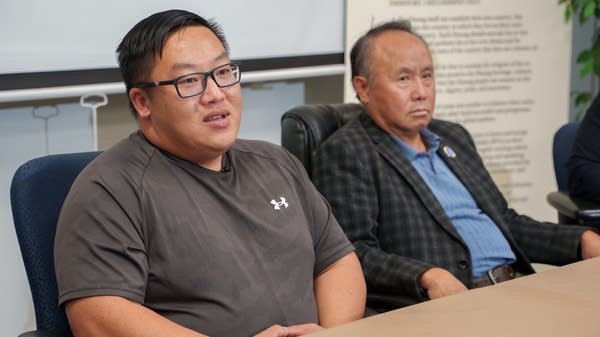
(561, 151)
(37, 192)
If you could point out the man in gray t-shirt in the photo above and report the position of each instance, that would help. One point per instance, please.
(182, 230)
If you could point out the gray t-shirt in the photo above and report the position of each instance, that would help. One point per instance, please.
(224, 253)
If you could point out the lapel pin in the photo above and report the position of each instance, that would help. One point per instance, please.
(449, 152)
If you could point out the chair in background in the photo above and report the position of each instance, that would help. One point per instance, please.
(37, 192)
(570, 210)
(305, 127)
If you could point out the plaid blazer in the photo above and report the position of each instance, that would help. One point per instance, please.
(398, 227)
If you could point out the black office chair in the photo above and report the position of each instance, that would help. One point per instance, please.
(305, 127)
(37, 192)
(570, 210)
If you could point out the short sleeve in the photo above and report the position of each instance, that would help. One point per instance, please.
(98, 247)
(330, 241)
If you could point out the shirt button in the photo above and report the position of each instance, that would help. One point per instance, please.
(463, 264)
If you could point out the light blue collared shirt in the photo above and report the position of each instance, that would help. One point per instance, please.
(488, 246)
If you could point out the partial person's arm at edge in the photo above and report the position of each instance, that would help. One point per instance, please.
(340, 292)
(584, 162)
(104, 316)
(113, 316)
(590, 244)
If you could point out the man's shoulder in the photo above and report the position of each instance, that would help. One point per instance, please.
(257, 148)
(441, 124)
(130, 155)
(447, 129)
(249, 151)
(352, 133)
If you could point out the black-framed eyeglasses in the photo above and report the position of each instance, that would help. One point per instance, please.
(194, 84)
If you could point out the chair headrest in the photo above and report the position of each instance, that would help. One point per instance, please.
(305, 127)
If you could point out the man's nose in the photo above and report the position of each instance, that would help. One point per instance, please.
(419, 90)
(212, 91)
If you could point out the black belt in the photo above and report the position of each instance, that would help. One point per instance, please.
(496, 275)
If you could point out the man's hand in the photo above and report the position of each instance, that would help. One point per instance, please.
(439, 283)
(289, 331)
(590, 244)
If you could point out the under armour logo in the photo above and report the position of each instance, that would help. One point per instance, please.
(278, 204)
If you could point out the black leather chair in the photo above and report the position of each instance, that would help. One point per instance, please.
(37, 192)
(305, 127)
(570, 210)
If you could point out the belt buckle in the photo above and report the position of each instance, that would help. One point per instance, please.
(491, 276)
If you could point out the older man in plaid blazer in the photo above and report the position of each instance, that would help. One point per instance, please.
(412, 193)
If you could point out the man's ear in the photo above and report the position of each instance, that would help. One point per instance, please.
(140, 100)
(361, 86)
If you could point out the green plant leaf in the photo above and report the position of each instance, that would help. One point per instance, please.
(586, 69)
(596, 44)
(568, 14)
(596, 68)
(584, 56)
(577, 3)
(568, 9)
(588, 10)
(582, 98)
(588, 59)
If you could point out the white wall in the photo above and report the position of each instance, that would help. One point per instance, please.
(74, 35)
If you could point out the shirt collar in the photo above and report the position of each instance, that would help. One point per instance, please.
(432, 141)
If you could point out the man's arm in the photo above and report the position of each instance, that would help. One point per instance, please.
(439, 282)
(104, 316)
(340, 292)
(113, 316)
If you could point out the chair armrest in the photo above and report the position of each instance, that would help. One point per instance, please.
(38, 333)
(578, 209)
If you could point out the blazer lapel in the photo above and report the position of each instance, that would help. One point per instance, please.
(389, 150)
